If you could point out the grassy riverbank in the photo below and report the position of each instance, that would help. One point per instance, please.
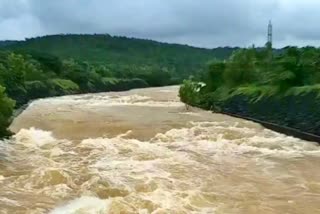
(283, 89)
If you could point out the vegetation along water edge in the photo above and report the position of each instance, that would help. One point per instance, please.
(280, 88)
(71, 64)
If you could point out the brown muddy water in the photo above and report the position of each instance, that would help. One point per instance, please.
(142, 152)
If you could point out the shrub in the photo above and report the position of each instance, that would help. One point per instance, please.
(6, 110)
(64, 87)
(37, 89)
(190, 92)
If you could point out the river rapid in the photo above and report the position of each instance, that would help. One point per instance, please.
(143, 152)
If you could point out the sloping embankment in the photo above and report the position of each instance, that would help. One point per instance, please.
(294, 115)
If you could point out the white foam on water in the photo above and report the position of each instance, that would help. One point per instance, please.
(55, 152)
(189, 113)
(232, 137)
(168, 90)
(56, 192)
(203, 167)
(89, 101)
(171, 173)
(34, 138)
(84, 205)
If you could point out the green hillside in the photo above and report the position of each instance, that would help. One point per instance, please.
(70, 64)
(121, 53)
(7, 43)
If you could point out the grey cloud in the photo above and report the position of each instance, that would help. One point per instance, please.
(206, 23)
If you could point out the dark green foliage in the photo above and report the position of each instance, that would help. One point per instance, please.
(189, 92)
(12, 75)
(7, 43)
(215, 73)
(248, 67)
(114, 84)
(6, 109)
(156, 77)
(37, 89)
(63, 87)
(48, 62)
(279, 88)
(119, 53)
(240, 69)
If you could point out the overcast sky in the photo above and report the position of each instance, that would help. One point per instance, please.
(204, 23)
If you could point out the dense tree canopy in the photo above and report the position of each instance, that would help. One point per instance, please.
(119, 54)
(259, 72)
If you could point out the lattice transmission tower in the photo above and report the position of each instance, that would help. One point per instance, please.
(270, 33)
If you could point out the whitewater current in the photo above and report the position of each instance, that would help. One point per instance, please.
(143, 151)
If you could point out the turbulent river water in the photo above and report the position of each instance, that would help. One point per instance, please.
(142, 151)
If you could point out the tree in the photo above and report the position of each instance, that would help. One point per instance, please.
(241, 68)
(214, 77)
(12, 76)
(6, 110)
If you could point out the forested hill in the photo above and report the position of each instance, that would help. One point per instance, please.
(121, 53)
(7, 43)
(70, 64)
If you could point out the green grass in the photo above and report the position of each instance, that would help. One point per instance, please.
(303, 90)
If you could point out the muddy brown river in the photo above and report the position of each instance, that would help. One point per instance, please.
(143, 152)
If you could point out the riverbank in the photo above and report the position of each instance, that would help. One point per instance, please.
(26, 76)
(281, 129)
(296, 115)
(116, 86)
(291, 113)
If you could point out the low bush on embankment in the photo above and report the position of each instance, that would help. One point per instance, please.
(282, 89)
